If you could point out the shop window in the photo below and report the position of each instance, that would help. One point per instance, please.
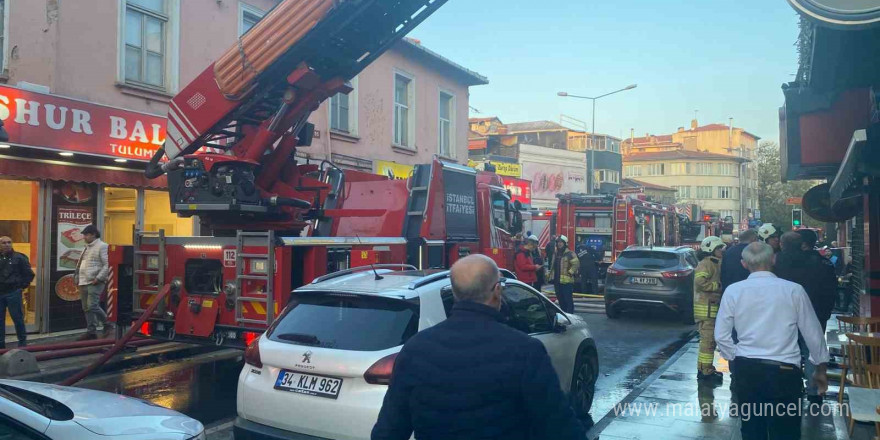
(120, 215)
(18, 221)
(158, 215)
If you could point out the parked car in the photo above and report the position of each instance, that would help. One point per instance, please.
(322, 369)
(38, 411)
(653, 277)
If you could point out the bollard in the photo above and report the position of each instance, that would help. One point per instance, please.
(18, 362)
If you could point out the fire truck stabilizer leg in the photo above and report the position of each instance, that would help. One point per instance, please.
(160, 298)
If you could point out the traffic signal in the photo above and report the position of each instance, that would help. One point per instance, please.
(797, 217)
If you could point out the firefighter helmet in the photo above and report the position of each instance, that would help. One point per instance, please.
(766, 231)
(563, 238)
(710, 244)
(533, 238)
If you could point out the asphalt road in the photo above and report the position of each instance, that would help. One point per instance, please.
(630, 349)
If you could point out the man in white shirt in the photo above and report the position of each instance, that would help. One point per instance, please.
(92, 272)
(768, 312)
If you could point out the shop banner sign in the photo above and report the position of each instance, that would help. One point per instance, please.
(519, 189)
(549, 180)
(461, 205)
(501, 168)
(58, 123)
(71, 243)
(393, 170)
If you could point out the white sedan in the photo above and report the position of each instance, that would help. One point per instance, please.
(322, 369)
(38, 411)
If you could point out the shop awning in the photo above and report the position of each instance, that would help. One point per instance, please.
(58, 170)
(862, 159)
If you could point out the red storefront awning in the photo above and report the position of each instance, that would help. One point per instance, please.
(55, 170)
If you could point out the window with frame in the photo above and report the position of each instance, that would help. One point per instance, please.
(704, 192)
(339, 113)
(703, 169)
(656, 169)
(633, 170)
(614, 145)
(725, 192)
(726, 169)
(525, 311)
(682, 192)
(680, 168)
(146, 29)
(446, 141)
(402, 110)
(249, 16)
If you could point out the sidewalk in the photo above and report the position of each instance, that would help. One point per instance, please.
(672, 405)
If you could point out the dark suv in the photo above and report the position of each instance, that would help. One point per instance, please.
(658, 276)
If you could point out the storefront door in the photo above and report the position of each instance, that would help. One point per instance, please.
(19, 220)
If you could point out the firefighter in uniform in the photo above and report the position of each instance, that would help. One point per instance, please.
(707, 298)
(770, 235)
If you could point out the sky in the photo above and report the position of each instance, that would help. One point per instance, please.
(724, 59)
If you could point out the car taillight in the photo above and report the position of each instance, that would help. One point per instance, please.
(613, 271)
(249, 337)
(380, 372)
(678, 273)
(252, 354)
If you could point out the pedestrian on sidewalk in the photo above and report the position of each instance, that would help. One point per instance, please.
(524, 265)
(768, 312)
(800, 263)
(564, 273)
(15, 276)
(707, 297)
(92, 271)
(732, 270)
(472, 376)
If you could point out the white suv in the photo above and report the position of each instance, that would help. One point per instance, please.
(322, 369)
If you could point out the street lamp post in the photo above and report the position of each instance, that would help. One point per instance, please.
(591, 161)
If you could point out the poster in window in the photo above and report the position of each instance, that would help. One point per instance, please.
(71, 222)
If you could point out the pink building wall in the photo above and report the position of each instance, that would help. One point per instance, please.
(72, 47)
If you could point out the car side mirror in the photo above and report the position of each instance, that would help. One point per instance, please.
(560, 323)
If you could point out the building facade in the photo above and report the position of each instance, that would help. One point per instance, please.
(735, 143)
(706, 179)
(657, 193)
(84, 89)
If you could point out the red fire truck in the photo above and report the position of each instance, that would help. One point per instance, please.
(278, 223)
(611, 223)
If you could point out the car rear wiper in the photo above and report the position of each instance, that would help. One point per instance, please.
(300, 338)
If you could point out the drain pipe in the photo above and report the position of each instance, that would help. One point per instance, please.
(120, 344)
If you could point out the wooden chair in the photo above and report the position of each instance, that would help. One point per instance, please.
(859, 352)
(863, 401)
(858, 324)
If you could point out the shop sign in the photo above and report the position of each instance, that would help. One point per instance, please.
(519, 189)
(49, 121)
(548, 180)
(501, 168)
(393, 170)
(71, 243)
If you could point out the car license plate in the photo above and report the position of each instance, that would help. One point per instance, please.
(309, 384)
(643, 280)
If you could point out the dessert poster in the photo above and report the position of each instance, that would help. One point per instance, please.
(71, 221)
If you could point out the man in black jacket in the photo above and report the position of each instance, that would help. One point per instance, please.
(473, 377)
(15, 274)
(816, 275)
(732, 270)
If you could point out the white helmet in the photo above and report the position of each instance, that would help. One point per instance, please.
(766, 231)
(533, 238)
(563, 238)
(711, 243)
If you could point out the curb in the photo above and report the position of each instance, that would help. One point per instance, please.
(680, 349)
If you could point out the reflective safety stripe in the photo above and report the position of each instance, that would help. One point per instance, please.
(701, 274)
(706, 357)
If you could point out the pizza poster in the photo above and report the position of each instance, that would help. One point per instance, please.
(71, 243)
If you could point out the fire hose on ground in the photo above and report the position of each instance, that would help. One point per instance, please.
(122, 342)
